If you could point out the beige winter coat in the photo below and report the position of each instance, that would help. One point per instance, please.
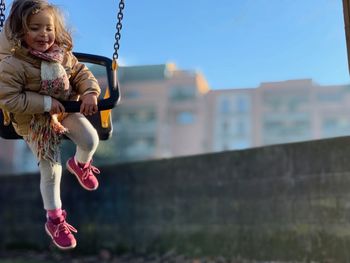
(5, 48)
(20, 84)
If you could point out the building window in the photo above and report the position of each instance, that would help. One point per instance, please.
(225, 127)
(241, 128)
(185, 118)
(330, 97)
(132, 94)
(242, 104)
(240, 144)
(225, 106)
(336, 126)
(137, 116)
(141, 147)
(182, 93)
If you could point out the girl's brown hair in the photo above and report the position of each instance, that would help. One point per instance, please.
(21, 10)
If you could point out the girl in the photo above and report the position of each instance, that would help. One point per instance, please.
(39, 69)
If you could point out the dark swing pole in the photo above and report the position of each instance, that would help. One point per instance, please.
(346, 11)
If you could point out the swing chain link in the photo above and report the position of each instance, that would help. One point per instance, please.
(118, 27)
(2, 14)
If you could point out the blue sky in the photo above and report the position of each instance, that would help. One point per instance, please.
(234, 43)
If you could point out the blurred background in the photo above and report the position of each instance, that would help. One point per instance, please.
(198, 77)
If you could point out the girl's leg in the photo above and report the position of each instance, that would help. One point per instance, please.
(50, 180)
(84, 135)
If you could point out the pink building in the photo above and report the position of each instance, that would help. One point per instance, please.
(161, 113)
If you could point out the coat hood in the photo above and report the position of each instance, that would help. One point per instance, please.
(5, 46)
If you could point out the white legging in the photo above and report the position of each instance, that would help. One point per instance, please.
(85, 136)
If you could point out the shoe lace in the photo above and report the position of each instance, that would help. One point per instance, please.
(88, 170)
(64, 227)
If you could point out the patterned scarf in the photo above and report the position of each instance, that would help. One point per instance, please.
(45, 131)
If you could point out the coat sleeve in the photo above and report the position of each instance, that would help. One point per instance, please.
(82, 79)
(13, 97)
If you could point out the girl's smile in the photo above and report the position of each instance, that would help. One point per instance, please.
(41, 31)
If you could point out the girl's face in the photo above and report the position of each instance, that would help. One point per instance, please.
(41, 31)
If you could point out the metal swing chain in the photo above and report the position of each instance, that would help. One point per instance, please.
(2, 14)
(118, 35)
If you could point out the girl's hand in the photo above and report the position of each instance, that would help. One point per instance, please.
(89, 104)
(56, 107)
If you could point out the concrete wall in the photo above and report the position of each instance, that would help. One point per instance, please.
(283, 202)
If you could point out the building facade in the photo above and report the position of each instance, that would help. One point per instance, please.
(278, 112)
(160, 114)
(167, 112)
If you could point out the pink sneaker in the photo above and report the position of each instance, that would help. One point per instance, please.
(85, 175)
(60, 232)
